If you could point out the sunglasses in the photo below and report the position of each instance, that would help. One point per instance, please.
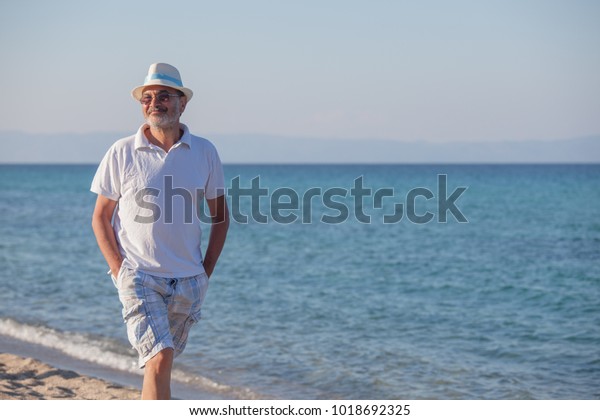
(163, 98)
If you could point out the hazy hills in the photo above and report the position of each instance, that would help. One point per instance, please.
(19, 147)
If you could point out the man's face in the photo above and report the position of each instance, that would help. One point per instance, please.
(162, 106)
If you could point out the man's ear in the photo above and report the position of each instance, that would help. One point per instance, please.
(183, 100)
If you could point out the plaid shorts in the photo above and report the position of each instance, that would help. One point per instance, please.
(158, 311)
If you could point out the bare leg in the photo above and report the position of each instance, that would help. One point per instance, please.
(157, 376)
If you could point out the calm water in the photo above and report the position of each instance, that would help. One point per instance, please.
(506, 306)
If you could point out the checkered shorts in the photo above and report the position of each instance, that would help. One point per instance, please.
(159, 312)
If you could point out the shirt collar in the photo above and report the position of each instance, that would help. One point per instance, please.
(142, 142)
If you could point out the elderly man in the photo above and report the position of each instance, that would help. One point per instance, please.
(147, 224)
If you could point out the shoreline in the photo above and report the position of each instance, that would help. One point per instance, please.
(33, 371)
(24, 378)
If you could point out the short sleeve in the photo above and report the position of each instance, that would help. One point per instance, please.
(107, 181)
(215, 185)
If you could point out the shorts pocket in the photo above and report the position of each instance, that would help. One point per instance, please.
(116, 280)
(200, 291)
(130, 284)
(203, 283)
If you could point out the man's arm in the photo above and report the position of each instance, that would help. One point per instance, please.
(105, 235)
(219, 214)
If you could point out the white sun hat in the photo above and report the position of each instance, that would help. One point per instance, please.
(161, 74)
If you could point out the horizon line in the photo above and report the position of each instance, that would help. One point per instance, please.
(118, 134)
(327, 163)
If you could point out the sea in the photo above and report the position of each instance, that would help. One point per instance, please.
(406, 281)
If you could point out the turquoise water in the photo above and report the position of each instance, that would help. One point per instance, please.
(505, 306)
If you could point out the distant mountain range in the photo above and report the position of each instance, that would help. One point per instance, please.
(20, 147)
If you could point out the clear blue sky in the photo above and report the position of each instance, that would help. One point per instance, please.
(405, 70)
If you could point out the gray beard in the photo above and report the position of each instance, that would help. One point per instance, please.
(163, 121)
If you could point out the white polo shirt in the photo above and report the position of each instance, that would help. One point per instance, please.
(157, 221)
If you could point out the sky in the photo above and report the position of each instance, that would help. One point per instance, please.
(438, 71)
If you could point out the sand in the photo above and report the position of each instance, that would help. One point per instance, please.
(24, 378)
(33, 371)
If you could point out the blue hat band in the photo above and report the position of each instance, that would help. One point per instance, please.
(160, 76)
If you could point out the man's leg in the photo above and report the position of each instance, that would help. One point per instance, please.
(157, 376)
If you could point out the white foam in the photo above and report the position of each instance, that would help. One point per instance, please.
(79, 346)
(107, 353)
(206, 383)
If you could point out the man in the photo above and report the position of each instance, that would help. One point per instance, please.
(147, 224)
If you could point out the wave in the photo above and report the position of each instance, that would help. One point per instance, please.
(111, 354)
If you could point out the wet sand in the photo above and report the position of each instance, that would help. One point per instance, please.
(24, 378)
(30, 371)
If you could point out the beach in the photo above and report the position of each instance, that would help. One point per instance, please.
(24, 378)
(29, 371)
(33, 372)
